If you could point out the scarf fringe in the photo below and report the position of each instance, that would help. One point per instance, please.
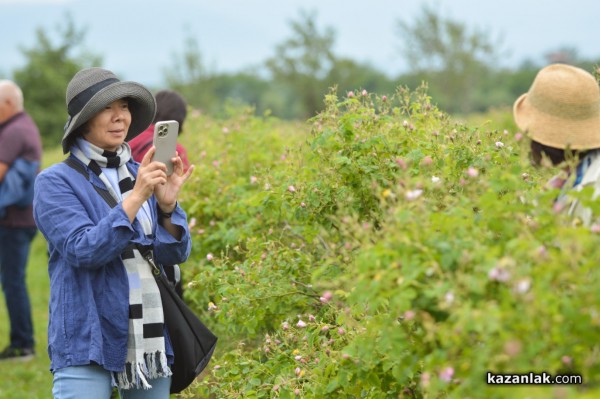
(136, 375)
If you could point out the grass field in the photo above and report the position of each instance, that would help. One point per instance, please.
(29, 380)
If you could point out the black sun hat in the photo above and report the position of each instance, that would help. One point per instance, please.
(92, 89)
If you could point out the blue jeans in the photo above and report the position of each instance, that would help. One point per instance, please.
(93, 382)
(14, 252)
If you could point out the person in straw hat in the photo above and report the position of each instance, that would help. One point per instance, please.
(106, 321)
(561, 115)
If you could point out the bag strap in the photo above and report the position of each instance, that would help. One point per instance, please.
(145, 250)
(172, 271)
(78, 166)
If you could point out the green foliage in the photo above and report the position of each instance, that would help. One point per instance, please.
(45, 76)
(383, 251)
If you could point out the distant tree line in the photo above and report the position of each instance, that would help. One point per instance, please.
(459, 66)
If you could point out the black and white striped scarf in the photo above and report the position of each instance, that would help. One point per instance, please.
(146, 355)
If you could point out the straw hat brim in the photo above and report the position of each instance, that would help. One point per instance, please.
(141, 105)
(555, 131)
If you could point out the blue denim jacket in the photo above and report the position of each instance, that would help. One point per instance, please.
(89, 290)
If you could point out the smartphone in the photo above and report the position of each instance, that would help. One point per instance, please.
(165, 141)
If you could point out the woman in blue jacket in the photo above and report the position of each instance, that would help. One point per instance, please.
(106, 320)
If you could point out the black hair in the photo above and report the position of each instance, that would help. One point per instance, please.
(556, 155)
(170, 105)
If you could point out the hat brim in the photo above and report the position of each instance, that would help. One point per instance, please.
(142, 106)
(555, 131)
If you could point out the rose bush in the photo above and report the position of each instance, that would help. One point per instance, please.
(383, 250)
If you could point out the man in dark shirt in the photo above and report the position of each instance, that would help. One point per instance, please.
(19, 140)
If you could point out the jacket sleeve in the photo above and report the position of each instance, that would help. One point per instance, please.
(76, 222)
(167, 249)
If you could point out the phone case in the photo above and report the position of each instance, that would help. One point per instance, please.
(165, 141)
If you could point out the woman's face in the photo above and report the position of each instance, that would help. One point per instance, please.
(108, 128)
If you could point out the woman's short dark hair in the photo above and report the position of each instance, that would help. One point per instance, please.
(556, 155)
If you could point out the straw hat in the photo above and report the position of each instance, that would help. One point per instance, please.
(561, 109)
(92, 89)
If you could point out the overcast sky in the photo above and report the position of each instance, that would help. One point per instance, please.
(139, 39)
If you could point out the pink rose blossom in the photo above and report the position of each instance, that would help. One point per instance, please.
(447, 374)
(542, 251)
(426, 161)
(472, 172)
(326, 297)
(402, 163)
(557, 207)
(523, 286)
(499, 274)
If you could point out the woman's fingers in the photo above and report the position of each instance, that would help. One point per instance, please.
(188, 173)
(148, 156)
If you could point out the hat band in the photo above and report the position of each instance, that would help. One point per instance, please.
(78, 102)
(565, 110)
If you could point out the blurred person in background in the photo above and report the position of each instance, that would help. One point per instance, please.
(561, 115)
(20, 157)
(170, 105)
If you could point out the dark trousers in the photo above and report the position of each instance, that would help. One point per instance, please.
(14, 252)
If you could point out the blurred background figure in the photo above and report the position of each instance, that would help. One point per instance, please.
(20, 157)
(170, 105)
(561, 115)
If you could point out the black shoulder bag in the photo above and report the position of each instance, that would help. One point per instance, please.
(193, 343)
